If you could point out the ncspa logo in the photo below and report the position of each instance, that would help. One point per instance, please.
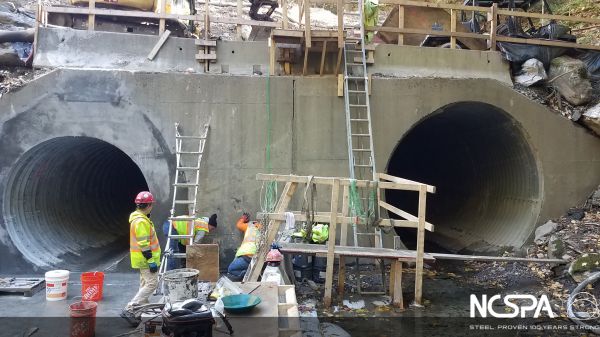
(530, 304)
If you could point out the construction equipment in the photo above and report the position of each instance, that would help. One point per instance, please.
(132, 24)
(358, 125)
(189, 151)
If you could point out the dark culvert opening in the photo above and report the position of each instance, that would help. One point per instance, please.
(67, 201)
(488, 189)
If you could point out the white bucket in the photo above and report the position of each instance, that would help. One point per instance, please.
(56, 285)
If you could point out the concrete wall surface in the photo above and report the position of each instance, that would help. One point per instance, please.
(135, 112)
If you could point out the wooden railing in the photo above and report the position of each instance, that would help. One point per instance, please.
(493, 15)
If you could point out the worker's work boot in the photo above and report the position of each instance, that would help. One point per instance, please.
(130, 318)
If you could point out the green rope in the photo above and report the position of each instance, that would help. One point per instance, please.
(356, 206)
(269, 199)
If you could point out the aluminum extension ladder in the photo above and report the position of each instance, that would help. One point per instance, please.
(189, 151)
(358, 124)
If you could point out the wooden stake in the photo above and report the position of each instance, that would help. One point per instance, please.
(452, 28)
(340, 14)
(400, 24)
(238, 27)
(493, 16)
(305, 67)
(396, 284)
(307, 34)
(161, 22)
(335, 190)
(339, 61)
(161, 41)
(346, 195)
(91, 17)
(323, 53)
(420, 245)
(341, 278)
(272, 51)
(284, 12)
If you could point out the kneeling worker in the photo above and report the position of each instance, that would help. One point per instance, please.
(145, 252)
(201, 226)
(237, 268)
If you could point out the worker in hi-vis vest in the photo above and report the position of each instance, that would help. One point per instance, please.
(145, 252)
(199, 228)
(251, 229)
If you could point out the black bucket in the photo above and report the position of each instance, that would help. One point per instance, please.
(319, 268)
(303, 268)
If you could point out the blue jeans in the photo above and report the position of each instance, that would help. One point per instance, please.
(237, 268)
(172, 263)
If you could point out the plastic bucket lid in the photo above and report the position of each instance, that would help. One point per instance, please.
(57, 274)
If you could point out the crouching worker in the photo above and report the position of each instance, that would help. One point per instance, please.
(237, 268)
(144, 250)
(198, 227)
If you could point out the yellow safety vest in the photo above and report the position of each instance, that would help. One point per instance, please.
(183, 227)
(142, 237)
(249, 245)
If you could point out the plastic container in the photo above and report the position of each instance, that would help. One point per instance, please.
(92, 284)
(83, 319)
(302, 265)
(181, 284)
(56, 285)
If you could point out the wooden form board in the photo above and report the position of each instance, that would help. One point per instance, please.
(205, 258)
(333, 218)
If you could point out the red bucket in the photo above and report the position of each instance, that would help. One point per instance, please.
(83, 319)
(91, 286)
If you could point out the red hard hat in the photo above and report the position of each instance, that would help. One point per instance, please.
(274, 255)
(144, 197)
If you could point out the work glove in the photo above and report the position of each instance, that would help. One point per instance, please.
(246, 217)
(153, 267)
(147, 254)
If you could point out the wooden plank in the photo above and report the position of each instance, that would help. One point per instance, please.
(460, 257)
(316, 180)
(238, 27)
(402, 213)
(323, 53)
(452, 28)
(252, 23)
(338, 64)
(340, 27)
(420, 246)
(91, 17)
(272, 230)
(205, 258)
(537, 42)
(345, 207)
(430, 188)
(206, 56)
(161, 22)
(396, 271)
(305, 64)
(123, 13)
(404, 224)
(335, 191)
(353, 251)
(435, 5)
(161, 41)
(548, 16)
(307, 33)
(284, 12)
(341, 277)
(206, 20)
(428, 32)
(272, 51)
(287, 33)
(493, 19)
(340, 85)
(205, 43)
(400, 24)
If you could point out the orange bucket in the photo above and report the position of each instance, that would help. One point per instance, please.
(92, 285)
(83, 319)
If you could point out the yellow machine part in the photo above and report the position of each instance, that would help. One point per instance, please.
(172, 6)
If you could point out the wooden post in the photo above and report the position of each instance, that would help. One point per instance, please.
(305, 66)
(339, 61)
(340, 14)
(284, 12)
(161, 22)
(272, 229)
(346, 195)
(396, 284)
(238, 27)
(452, 28)
(92, 16)
(206, 20)
(324, 52)
(272, 51)
(493, 25)
(420, 244)
(335, 190)
(307, 36)
(400, 24)
(341, 278)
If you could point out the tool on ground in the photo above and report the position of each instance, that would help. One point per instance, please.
(189, 151)
(361, 156)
